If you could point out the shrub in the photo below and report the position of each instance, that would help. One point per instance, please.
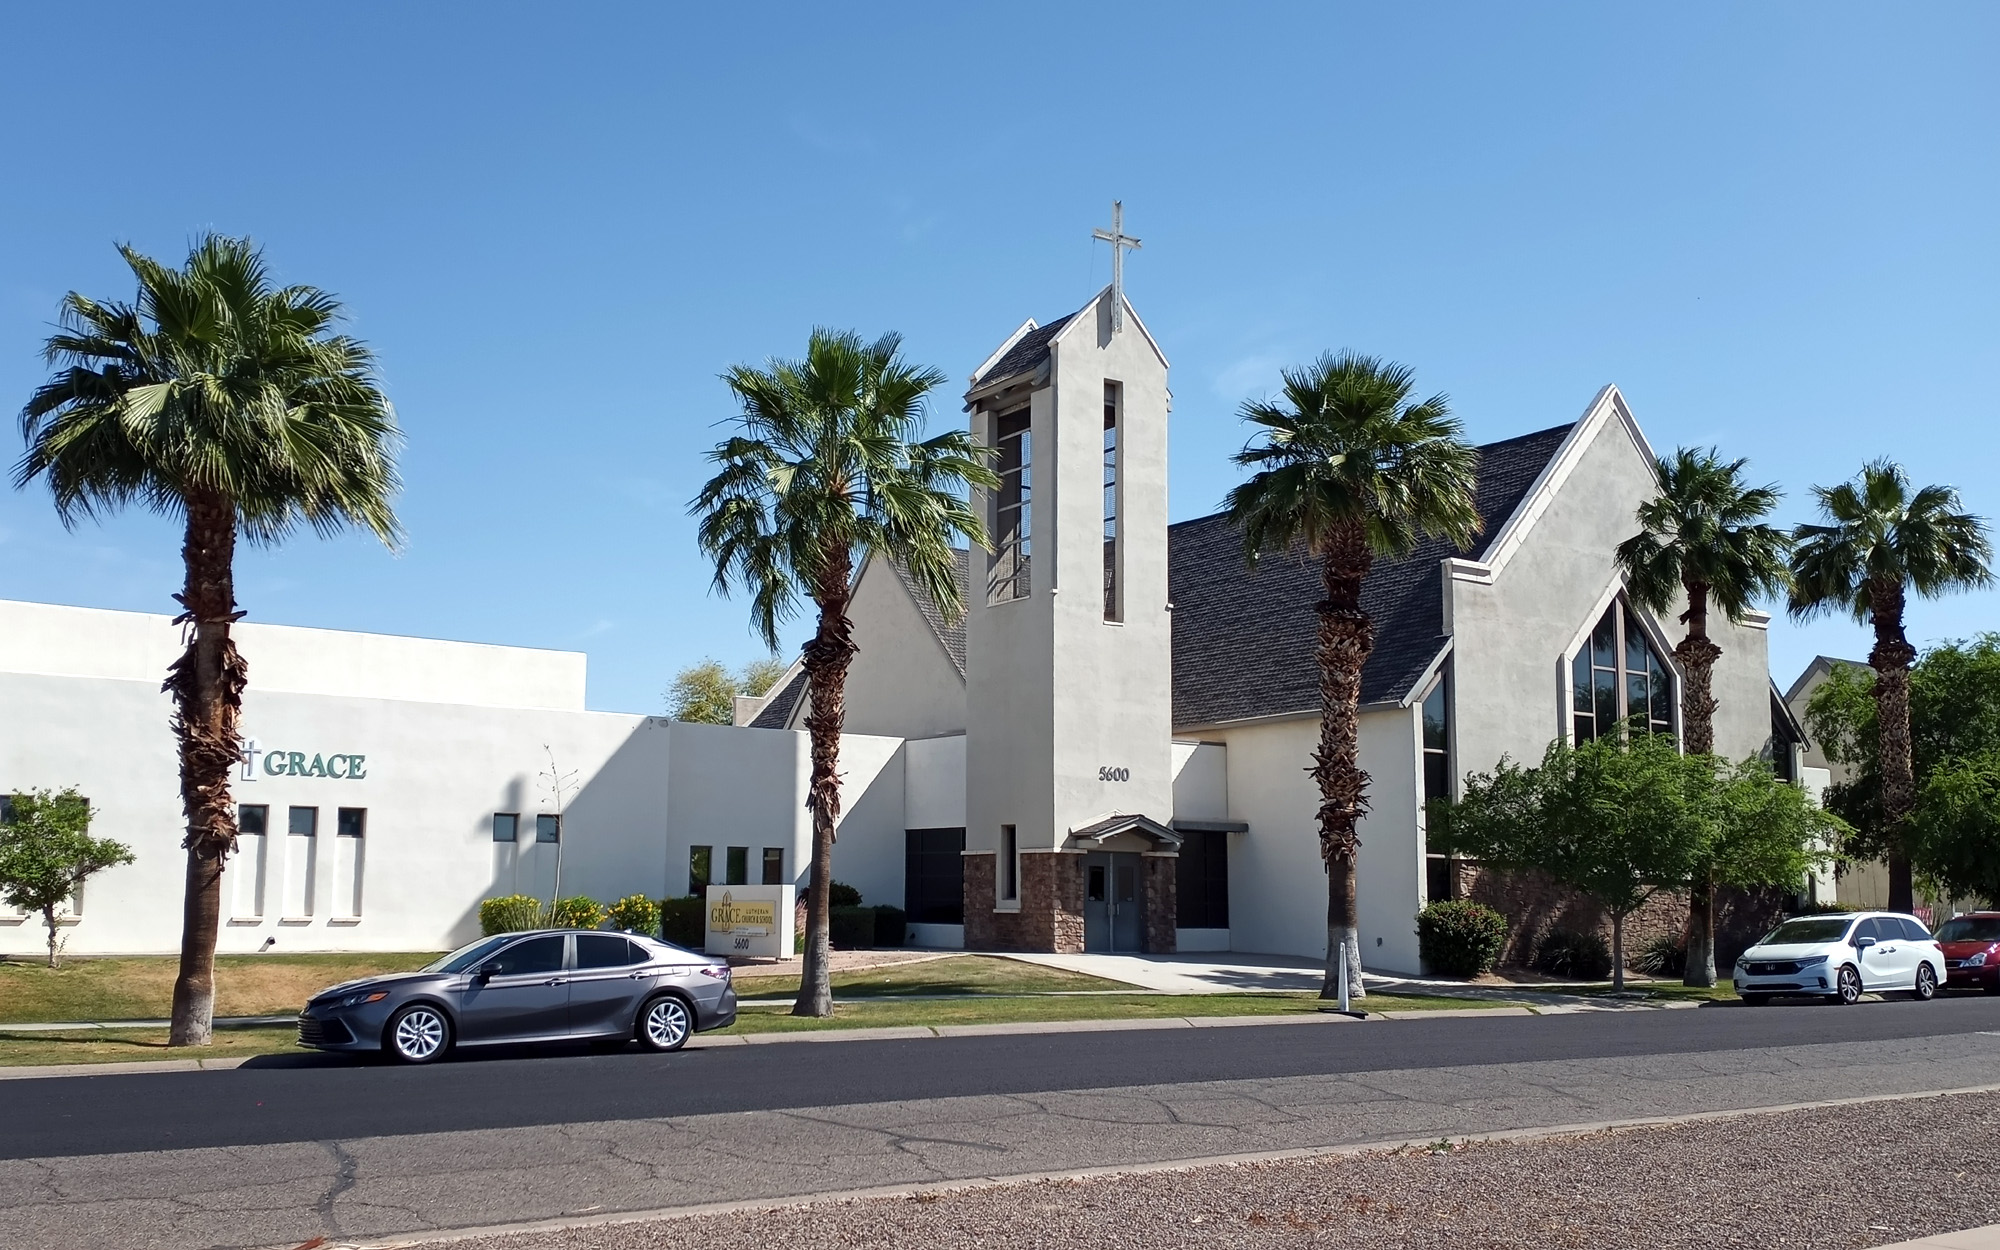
(843, 895)
(888, 925)
(576, 913)
(635, 913)
(1576, 956)
(510, 914)
(682, 921)
(1460, 938)
(1664, 956)
(853, 928)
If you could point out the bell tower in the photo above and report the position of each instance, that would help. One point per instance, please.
(1069, 666)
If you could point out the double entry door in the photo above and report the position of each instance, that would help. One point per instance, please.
(1111, 908)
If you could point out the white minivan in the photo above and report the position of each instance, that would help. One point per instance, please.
(1841, 957)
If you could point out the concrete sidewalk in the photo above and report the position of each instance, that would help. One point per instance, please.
(1987, 1238)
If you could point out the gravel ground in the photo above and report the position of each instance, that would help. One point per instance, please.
(1863, 1175)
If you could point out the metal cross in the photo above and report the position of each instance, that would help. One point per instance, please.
(1119, 241)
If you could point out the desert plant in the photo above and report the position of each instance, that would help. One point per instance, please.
(828, 466)
(635, 913)
(1573, 956)
(1460, 938)
(229, 404)
(510, 913)
(1664, 956)
(1348, 467)
(576, 912)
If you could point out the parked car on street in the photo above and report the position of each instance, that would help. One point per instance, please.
(1972, 951)
(550, 985)
(1842, 956)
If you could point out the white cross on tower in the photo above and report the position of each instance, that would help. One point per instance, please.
(1119, 241)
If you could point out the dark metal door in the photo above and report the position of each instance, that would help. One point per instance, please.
(525, 994)
(1111, 909)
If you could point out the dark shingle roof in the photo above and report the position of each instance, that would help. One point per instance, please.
(1244, 639)
(951, 635)
(1026, 355)
(783, 700)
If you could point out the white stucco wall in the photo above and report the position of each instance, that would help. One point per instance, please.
(902, 682)
(1201, 781)
(934, 783)
(57, 640)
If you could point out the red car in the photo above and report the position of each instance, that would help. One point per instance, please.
(1971, 945)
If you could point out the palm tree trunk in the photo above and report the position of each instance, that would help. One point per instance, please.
(1697, 655)
(1346, 636)
(1617, 952)
(826, 659)
(1891, 659)
(207, 685)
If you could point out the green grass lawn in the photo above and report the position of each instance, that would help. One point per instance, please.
(957, 974)
(136, 1045)
(1721, 991)
(143, 988)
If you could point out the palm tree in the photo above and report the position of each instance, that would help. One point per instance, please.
(223, 401)
(1701, 537)
(1883, 540)
(827, 468)
(1349, 468)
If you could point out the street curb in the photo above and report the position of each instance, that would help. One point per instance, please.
(562, 1223)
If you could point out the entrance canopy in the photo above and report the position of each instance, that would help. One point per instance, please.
(1097, 833)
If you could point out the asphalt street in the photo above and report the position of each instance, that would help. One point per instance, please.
(274, 1155)
(314, 1098)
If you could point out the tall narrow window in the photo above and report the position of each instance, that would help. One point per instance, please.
(1617, 678)
(1440, 873)
(701, 864)
(737, 866)
(1113, 401)
(1010, 866)
(1013, 507)
(774, 865)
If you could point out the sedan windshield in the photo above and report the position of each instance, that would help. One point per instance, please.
(1808, 931)
(466, 956)
(1971, 929)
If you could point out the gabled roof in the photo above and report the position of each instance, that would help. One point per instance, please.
(1821, 666)
(1244, 638)
(952, 635)
(777, 713)
(1025, 356)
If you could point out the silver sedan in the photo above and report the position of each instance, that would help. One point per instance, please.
(551, 985)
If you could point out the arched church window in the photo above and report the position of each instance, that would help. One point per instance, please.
(1618, 678)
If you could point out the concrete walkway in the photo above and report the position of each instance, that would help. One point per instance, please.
(1987, 1238)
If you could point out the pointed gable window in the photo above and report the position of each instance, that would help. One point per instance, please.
(1618, 678)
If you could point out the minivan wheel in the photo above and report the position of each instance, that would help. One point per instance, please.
(418, 1034)
(665, 1023)
(1848, 986)
(1926, 983)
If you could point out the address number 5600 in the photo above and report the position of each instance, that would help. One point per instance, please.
(1114, 774)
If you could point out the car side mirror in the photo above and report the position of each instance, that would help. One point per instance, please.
(481, 975)
(1863, 943)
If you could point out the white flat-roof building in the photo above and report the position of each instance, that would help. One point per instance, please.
(1111, 752)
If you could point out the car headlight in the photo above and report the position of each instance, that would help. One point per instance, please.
(1813, 962)
(1975, 961)
(366, 996)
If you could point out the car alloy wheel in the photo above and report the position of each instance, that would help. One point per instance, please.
(1848, 986)
(418, 1034)
(1926, 982)
(665, 1023)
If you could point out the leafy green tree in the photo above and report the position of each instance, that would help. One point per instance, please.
(1765, 831)
(1618, 821)
(1956, 827)
(1881, 541)
(705, 693)
(828, 468)
(1702, 538)
(759, 675)
(228, 403)
(1954, 702)
(47, 853)
(1347, 467)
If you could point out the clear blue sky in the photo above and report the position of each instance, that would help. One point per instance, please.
(1774, 226)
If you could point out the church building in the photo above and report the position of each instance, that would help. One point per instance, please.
(1109, 752)
(1133, 707)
